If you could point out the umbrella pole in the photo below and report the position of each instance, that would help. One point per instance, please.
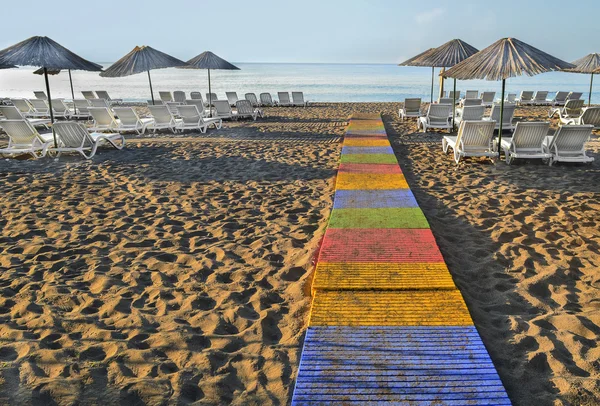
(453, 104)
(501, 117)
(209, 95)
(442, 81)
(151, 92)
(591, 86)
(432, 76)
(72, 92)
(50, 105)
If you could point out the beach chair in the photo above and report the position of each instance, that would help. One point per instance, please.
(298, 99)
(130, 121)
(199, 104)
(574, 96)
(251, 97)
(179, 97)
(163, 119)
(60, 109)
(590, 115)
(438, 116)
(451, 95)
(571, 109)
(445, 100)
(74, 137)
(525, 98)
(155, 102)
(40, 95)
(507, 118)
(443, 95)
(472, 102)
(471, 94)
(223, 110)
(103, 94)
(39, 108)
(166, 97)
(474, 139)
(540, 98)
(560, 98)
(266, 99)
(245, 109)
(284, 99)
(173, 108)
(469, 113)
(99, 103)
(568, 144)
(232, 98)
(88, 94)
(412, 108)
(24, 107)
(192, 119)
(526, 142)
(23, 138)
(511, 98)
(13, 113)
(487, 98)
(82, 107)
(103, 119)
(196, 96)
(211, 96)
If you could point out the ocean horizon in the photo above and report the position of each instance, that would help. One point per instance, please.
(320, 82)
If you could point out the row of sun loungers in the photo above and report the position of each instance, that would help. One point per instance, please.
(264, 99)
(539, 98)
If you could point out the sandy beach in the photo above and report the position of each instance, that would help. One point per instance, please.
(178, 270)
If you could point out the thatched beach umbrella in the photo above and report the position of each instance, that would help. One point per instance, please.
(588, 64)
(506, 58)
(47, 54)
(139, 60)
(415, 61)
(208, 60)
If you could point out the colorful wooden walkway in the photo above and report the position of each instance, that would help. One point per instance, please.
(387, 325)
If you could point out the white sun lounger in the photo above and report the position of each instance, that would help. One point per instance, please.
(13, 113)
(574, 96)
(526, 97)
(471, 94)
(526, 142)
(507, 118)
(232, 98)
(471, 102)
(251, 97)
(99, 103)
(266, 100)
(571, 109)
(245, 109)
(163, 119)
(487, 98)
(23, 138)
(39, 108)
(511, 98)
(560, 98)
(103, 94)
(166, 96)
(24, 107)
(540, 98)
(475, 139)
(438, 116)
(223, 110)
(192, 119)
(469, 113)
(284, 99)
(200, 105)
(212, 97)
(74, 137)
(179, 96)
(590, 115)
(196, 96)
(156, 102)
(451, 95)
(130, 121)
(82, 106)
(412, 108)
(40, 95)
(104, 120)
(298, 99)
(568, 144)
(60, 109)
(88, 94)
(445, 100)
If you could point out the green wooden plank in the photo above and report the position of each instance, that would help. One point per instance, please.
(369, 158)
(378, 218)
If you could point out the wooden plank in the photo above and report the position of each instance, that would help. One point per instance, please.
(369, 168)
(358, 199)
(369, 158)
(367, 150)
(378, 218)
(370, 181)
(366, 142)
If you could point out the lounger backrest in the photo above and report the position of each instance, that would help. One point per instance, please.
(511, 97)
(526, 95)
(591, 116)
(40, 105)
(72, 135)
(103, 94)
(11, 113)
(488, 97)
(88, 94)
(541, 95)
(190, 114)
(284, 97)
(561, 97)
(161, 114)
(571, 138)
(412, 105)
(438, 113)
(40, 95)
(445, 100)
(232, 97)
(575, 95)
(21, 132)
(530, 135)
(211, 96)
(507, 117)
(22, 105)
(473, 113)
(173, 108)
(179, 96)
(251, 97)
(166, 96)
(573, 108)
(155, 102)
(471, 94)
(82, 105)
(196, 96)
(244, 107)
(265, 98)
(223, 108)
(103, 117)
(127, 116)
(443, 95)
(298, 97)
(472, 102)
(198, 103)
(475, 135)
(59, 106)
(451, 95)
(99, 103)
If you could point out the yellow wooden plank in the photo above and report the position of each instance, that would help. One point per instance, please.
(366, 181)
(366, 142)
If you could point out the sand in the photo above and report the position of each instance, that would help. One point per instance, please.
(178, 270)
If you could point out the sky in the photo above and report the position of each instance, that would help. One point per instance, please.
(305, 31)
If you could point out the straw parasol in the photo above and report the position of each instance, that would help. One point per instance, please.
(139, 60)
(506, 58)
(47, 54)
(208, 60)
(588, 64)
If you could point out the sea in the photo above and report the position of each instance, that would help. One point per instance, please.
(319, 82)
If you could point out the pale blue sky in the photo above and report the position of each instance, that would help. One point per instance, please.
(337, 31)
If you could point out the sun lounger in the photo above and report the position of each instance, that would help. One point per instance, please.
(40, 95)
(438, 116)
(60, 109)
(173, 108)
(474, 139)
(451, 95)
(471, 94)
(74, 137)
(13, 113)
(487, 98)
(232, 98)
(39, 108)
(469, 113)
(526, 142)
(443, 95)
(88, 94)
(284, 99)
(103, 118)
(165, 96)
(251, 97)
(212, 96)
(525, 98)
(298, 99)
(99, 103)
(560, 98)
(540, 98)
(179, 97)
(571, 109)
(590, 115)
(200, 105)
(472, 102)
(82, 107)
(511, 98)
(192, 119)
(155, 102)
(266, 99)
(507, 117)
(574, 96)
(103, 94)
(23, 138)
(445, 100)
(163, 119)
(412, 108)
(24, 107)
(196, 96)
(130, 121)
(245, 109)
(568, 144)
(224, 111)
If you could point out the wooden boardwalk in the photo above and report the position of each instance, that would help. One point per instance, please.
(388, 324)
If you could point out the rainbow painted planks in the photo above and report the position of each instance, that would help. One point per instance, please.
(388, 324)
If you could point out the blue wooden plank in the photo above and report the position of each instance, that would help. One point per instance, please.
(367, 150)
(375, 199)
